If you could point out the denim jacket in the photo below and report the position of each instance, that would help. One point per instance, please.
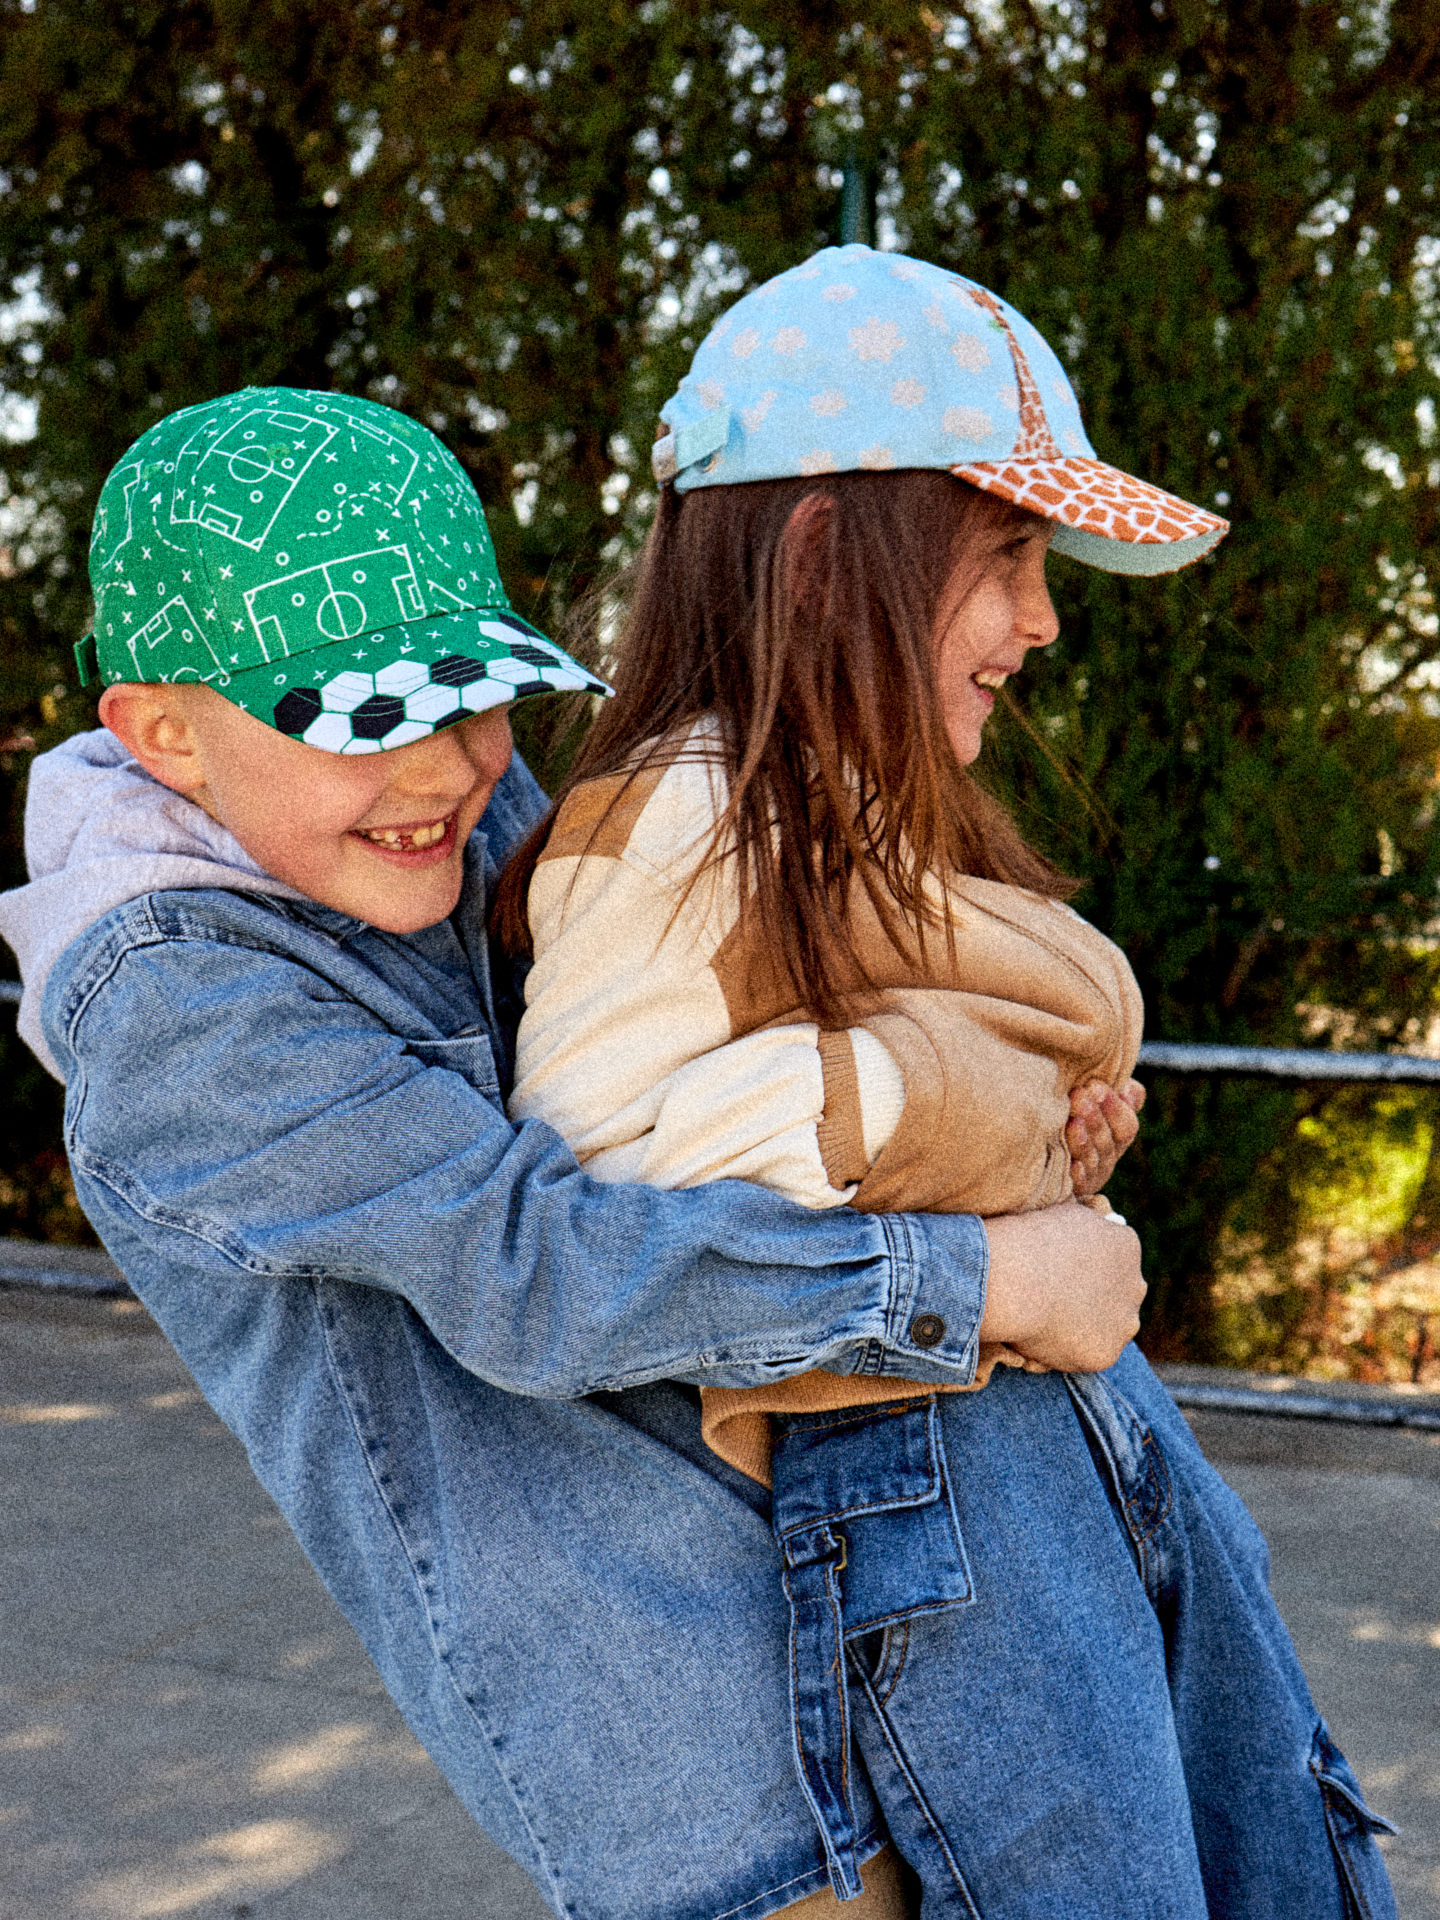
(434, 1335)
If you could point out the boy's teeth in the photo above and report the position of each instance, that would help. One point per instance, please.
(409, 837)
(989, 677)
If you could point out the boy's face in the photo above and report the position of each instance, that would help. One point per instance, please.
(380, 836)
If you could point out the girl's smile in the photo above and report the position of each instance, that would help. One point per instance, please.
(983, 635)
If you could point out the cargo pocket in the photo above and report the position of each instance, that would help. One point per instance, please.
(1352, 1828)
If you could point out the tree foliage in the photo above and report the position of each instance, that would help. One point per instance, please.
(516, 222)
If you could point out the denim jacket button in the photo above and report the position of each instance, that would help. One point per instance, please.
(927, 1330)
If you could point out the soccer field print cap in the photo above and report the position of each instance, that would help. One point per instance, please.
(860, 360)
(320, 560)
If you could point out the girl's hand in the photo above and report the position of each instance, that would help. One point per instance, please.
(1102, 1124)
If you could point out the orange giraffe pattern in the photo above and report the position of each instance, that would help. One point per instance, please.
(1081, 492)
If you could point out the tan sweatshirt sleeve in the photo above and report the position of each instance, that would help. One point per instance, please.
(982, 1126)
(626, 1047)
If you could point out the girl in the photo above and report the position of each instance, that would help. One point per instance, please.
(780, 933)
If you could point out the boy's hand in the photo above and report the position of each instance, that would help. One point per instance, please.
(1065, 1287)
(1102, 1124)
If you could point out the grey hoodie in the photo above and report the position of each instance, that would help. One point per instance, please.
(99, 831)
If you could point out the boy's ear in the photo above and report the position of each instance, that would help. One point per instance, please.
(155, 724)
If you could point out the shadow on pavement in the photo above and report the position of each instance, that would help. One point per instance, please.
(189, 1728)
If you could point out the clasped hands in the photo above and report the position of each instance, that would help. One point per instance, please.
(1065, 1284)
(1102, 1124)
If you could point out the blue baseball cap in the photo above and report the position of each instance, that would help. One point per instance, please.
(859, 361)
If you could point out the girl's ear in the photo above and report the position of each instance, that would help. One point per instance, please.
(154, 723)
(802, 549)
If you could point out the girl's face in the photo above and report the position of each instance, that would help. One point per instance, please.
(982, 636)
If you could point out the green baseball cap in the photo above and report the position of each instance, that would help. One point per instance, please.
(320, 560)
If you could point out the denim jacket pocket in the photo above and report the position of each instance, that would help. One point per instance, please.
(468, 1054)
(1352, 1829)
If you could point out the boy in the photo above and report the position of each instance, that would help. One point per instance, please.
(253, 948)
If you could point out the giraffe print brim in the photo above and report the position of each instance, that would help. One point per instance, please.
(1107, 519)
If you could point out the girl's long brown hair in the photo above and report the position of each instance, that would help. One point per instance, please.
(811, 642)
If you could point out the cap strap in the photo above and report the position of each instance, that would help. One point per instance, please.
(686, 446)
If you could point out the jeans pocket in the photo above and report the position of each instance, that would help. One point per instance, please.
(878, 1658)
(1352, 1827)
(1132, 1467)
(880, 1476)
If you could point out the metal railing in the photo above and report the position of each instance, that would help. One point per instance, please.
(1296, 1066)
(1292, 1064)
(1270, 1063)
(1305, 1400)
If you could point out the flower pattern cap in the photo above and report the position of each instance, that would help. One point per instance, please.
(322, 561)
(863, 361)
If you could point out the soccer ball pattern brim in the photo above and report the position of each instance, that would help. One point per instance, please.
(318, 559)
(354, 711)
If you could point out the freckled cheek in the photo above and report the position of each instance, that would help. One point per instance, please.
(344, 807)
(492, 746)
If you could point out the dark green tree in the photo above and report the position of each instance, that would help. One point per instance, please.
(517, 221)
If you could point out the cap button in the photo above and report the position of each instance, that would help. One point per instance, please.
(927, 1330)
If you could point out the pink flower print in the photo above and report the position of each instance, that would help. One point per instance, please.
(821, 461)
(711, 394)
(906, 270)
(744, 344)
(1009, 397)
(907, 393)
(829, 403)
(935, 314)
(876, 340)
(877, 459)
(841, 290)
(789, 340)
(970, 352)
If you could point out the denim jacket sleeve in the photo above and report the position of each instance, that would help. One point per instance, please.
(234, 1109)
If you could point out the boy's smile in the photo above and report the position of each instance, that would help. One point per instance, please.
(409, 840)
(379, 835)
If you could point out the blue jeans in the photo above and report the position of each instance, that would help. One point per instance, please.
(1067, 1682)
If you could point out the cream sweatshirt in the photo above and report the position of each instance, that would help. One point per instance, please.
(664, 1049)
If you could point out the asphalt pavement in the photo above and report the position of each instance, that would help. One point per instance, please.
(188, 1727)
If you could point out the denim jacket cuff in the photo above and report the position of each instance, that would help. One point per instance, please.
(939, 1266)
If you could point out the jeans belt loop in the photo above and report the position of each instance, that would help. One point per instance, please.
(820, 1696)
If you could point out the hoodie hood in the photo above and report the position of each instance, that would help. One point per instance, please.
(98, 832)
